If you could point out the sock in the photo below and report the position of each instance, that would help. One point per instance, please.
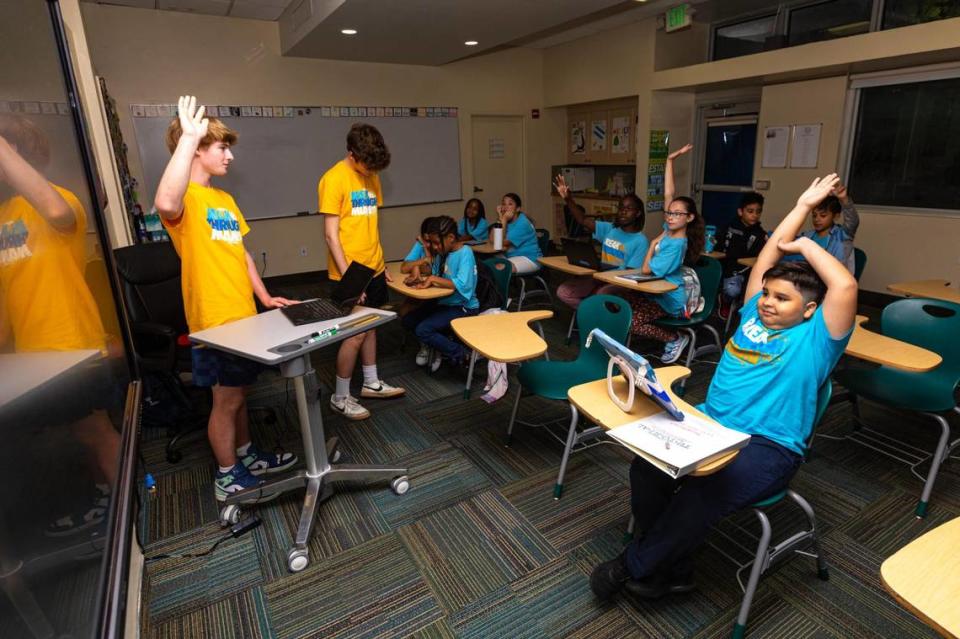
(225, 470)
(243, 450)
(370, 376)
(343, 387)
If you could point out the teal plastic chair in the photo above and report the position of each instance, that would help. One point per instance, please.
(859, 262)
(543, 241)
(502, 270)
(935, 326)
(552, 380)
(710, 273)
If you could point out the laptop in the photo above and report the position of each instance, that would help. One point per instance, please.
(344, 297)
(580, 253)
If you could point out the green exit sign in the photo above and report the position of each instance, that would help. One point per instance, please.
(678, 18)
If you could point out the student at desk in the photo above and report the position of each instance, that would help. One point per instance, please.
(794, 326)
(419, 259)
(219, 281)
(473, 225)
(520, 237)
(622, 243)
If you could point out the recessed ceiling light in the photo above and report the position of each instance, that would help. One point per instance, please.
(471, 43)
(348, 31)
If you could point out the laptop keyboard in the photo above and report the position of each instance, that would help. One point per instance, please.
(319, 310)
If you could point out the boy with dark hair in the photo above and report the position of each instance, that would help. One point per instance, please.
(349, 195)
(219, 282)
(836, 239)
(794, 326)
(743, 238)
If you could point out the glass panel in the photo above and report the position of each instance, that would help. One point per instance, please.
(63, 375)
(743, 38)
(719, 207)
(906, 150)
(829, 20)
(900, 13)
(729, 154)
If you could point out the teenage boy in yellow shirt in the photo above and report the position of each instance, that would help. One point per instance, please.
(350, 195)
(219, 281)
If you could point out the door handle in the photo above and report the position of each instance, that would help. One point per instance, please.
(477, 189)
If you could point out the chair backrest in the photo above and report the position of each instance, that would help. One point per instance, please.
(150, 280)
(859, 262)
(502, 270)
(611, 315)
(543, 239)
(710, 273)
(928, 323)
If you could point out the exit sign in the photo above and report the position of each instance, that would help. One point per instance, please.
(678, 18)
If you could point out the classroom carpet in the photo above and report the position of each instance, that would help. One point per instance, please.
(479, 548)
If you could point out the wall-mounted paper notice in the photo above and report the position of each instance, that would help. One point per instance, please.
(806, 146)
(496, 148)
(776, 139)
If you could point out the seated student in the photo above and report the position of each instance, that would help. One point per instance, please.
(473, 225)
(622, 244)
(456, 270)
(795, 325)
(743, 238)
(681, 242)
(419, 259)
(837, 240)
(520, 237)
(219, 282)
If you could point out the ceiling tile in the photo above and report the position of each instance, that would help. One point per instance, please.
(255, 10)
(209, 7)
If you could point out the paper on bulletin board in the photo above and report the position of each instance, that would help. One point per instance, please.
(656, 168)
(578, 137)
(620, 141)
(776, 139)
(598, 135)
(806, 146)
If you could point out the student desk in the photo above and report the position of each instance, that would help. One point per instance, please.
(432, 293)
(485, 249)
(560, 263)
(653, 286)
(936, 289)
(880, 349)
(924, 577)
(593, 401)
(502, 337)
(269, 338)
(717, 255)
(747, 261)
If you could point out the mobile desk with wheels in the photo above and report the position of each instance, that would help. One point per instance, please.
(270, 338)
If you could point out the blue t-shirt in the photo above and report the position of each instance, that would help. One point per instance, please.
(417, 253)
(619, 248)
(478, 232)
(767, 381)
(523, 238)
(460, 268)
(666, 262)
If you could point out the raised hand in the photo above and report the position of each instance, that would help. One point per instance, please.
(686, 148)
(192, 122)
(561, 185)
(818, 189)
(841, 192)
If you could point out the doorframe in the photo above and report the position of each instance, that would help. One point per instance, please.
(726, 105)
(523, 151)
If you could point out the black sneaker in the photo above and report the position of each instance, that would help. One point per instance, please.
(657, 586)
(609, 577)
(77, 522)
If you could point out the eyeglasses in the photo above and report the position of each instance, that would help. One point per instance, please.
(674, 213)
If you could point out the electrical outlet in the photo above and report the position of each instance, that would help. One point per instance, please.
(303, 251)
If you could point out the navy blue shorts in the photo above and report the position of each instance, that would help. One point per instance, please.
(212, 367)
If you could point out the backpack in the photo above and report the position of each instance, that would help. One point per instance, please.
(693, 300)
(487, 292)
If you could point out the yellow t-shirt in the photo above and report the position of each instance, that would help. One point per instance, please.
(209, 239)
(45, 297)
(353, 197)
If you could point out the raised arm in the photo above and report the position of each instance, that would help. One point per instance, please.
(840, 302)
(27, 181)
(850, 218)
(787, 230)
(669, 182)
(577, 211)
(176, 177)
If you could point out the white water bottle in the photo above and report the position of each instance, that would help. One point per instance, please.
(497, 234)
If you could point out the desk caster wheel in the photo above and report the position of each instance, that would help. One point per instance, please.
(297, 559)
(229, 515)
(335, 457)
(400, 485)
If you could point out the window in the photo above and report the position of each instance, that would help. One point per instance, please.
(828, 20)
(743, 38)
(900, 13)
(906, 145)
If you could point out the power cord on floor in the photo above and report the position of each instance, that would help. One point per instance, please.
(237, 530)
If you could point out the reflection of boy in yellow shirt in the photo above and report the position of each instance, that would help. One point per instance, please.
(350, 195)
(219, 281)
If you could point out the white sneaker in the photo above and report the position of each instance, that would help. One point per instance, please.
(349, 407)
(380, 390)
(423, 355)
(672, 351)
(435, 363)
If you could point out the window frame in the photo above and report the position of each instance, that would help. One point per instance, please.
(915, 75)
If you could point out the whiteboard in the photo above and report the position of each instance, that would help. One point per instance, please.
(278, 161)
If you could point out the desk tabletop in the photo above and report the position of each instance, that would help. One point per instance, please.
(593, 401)
(560, 263)
(924, 576)
(485, 249)
(653, 286)
(717, 255)
(936, 289)
(432, 293)
(880, 349)
(25, 372)
(747, 261)
(503, 337)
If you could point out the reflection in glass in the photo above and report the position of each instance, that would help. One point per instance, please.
(743, 38)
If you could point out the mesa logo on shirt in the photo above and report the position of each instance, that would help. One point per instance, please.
(613, 251)
(764, 346)
(363, 202)
(224, 226)
(13, 243)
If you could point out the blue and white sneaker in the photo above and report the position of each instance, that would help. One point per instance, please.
(76, 522)
(234, 480)
(261, 463)
(672, 351)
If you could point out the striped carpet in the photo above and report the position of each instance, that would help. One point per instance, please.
(479, 548)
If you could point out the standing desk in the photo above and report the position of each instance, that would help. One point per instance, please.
(270, 338)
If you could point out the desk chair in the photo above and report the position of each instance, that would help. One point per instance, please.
(935, 326)
(543, 239)
(710, 273)
(859, 262)
(552, 380)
